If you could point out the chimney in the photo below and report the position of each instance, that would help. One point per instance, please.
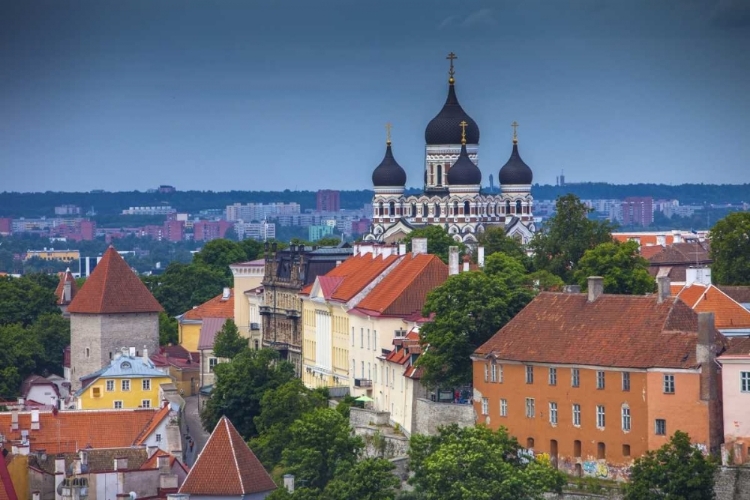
(418, 246)
(467, 264)
(676, 237)
(572, 289)
(225, 294)
(34, 420)
(705, 356)
(289, 482)
(596, 287)
(121, 464)
(145, 353)
(452, 260)
(14, 420)
(77, 469)
(59, 464)
(66, 290)
(480, 257)
(661, 239)
(35, 495)
(402, 248)
(663, 287)
(163, 462)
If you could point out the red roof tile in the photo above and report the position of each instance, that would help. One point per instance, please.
(152, 425)
(68, 277)
(740, 294)
(113, 288)
(650, 251)
(404, 290)
(728, 314)
(614, 331)
(738, 346)
(7, 490)
(226, 466)
(218, 307)
(358, 271)
(68, 431)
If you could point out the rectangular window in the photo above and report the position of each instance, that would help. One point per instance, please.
(553, 413)
(352, 336)
(660, 427)
(553, 376)
(368, 338)
(577, 415)
(363, 369)
(600, 421)
(374, 340)
(96, 392)
(745, 381)
(486, 372)
(500, 374)
(125, 385)
(146, 384)
(600, 379)
(625, 418)
(530, 410)
(485, 406)
(158, 438)
(118, 405)
(362, 338)
(146, 403)
(625, 381)
(212, 364)
(493, 373)
(375, 375)
(575, 377)
(110, 385)
(529, 374)
(503, 407)
(668, 384)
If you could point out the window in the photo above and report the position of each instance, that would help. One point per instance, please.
(96, 392)
(529, 374)
(626, 450)
(600, 421)
(110, 385)
(553, 413)
(368, 338)
(362, 369)
(668, 384)
(601, 451)
(660, 427)
(626, 418)
(212, 364)
(88, 352)
(500, 374)
(493, 371)
(577, 449)
(485, 406)
(503, 407)
(375, 374)
(625, 381)
(745, 381)
(530, 407)
(553, 376)
(530, 443)
(352, 336)
(486, 372)
(146, 384)
(146, 403)
(125, 385)
(577, 415)
(575, 377)
(118, 405)
(256, 344)
(374, 340)
(158, 438)
(362, 337)
(600, 379)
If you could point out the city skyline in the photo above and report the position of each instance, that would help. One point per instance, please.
(250, 96)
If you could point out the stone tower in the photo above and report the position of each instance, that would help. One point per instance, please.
(112, 310)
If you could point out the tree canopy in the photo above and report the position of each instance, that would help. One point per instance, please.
(438, 241)
(623, 269)
(24, 299)
(494, 239)
(677, 470)
(228, 342)
(183, 286)
(730, 249)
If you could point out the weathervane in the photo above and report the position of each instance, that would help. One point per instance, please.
(515, 132)
(463, 125)
(451, 71)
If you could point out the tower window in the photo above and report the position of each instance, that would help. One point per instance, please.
(425, 210)
(507, 207)
(439, 175)
(518, 206)
(467, 208)
(380, 209)
(455, 208)
(437, 209)
(413, 209)
(392, 209)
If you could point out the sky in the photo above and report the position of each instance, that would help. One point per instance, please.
(289, 94)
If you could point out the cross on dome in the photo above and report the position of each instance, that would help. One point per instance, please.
(451, 57)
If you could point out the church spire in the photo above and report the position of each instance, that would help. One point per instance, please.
(451, 71)
(515, 131)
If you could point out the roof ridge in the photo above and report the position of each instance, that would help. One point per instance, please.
(234, 453)
(402, 285)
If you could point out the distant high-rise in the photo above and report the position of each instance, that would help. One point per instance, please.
(560, 179)
(638, 211)
(328, 200)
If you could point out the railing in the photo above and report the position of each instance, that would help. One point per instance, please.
(265, 309)
(362, 382)
(255, 326)
(291, 313)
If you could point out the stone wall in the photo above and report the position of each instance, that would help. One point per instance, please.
(359, 417)
(430, 416)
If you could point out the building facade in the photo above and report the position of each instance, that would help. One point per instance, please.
(735, 375)
(328, 200)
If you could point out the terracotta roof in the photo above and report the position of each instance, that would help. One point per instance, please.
(152, 425)
(113, 288)
(358, 272)
(226, 466)
(739, 293)
(218, 307)
(404, 290)
(650, 251)
(682, 253)
(328, 284)
(738, 346)
(66, 276)
(153, 461)
(68, 431)
(622, 331)
(209, 329)
(728, 314)
(7, 490)
(99, 459)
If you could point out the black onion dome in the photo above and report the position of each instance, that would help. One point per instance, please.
(389, 172)
(515, 171)
(464, 172)
(444, 129)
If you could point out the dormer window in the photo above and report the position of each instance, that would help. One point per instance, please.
(125, 365)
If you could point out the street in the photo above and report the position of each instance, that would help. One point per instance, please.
(194, 429)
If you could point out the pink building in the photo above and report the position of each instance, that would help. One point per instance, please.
(88, 230)
(735, 375)
(210, 230)
(638, 211)
(174, 230)
(6, 226)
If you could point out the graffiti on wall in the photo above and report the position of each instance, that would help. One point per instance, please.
(525, 455)
(595, 469)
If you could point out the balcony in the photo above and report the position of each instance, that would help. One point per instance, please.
(291, 313)
(362, 382)
(255, 326)
(265, 310)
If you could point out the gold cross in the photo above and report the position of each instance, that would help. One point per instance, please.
(388, 127)
(451, 57)
(463, 125)
(515, 128)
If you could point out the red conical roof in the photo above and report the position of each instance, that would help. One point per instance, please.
(113, 288)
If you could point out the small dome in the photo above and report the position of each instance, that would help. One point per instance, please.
(464, 172)
(443, 129)
(515, 171)
(389, 173)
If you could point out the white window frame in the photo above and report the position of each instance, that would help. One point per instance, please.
(576, 414)
(601, 416)
(669, 385)
(575, 377)
(744, 381)
(212, 362)
(552, 376)
(664, 427)
(146, 384)
(529, 374)
(145, 403)
(530, 408)
(493, 373)
(486, 372)
(553, 413)
(485, 406)
(125, 385)
(117, 405)
(110, 385)
(503, 407)
(626, 381)
(626, 419)
(158, 438)
(601, 381)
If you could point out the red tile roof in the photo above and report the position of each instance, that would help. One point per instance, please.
(357, 272)
(66, 276)
(153, 461)
(728, 314)
(152, 425)
(113, 288)
(218, 307)
(614, 331)
(69, 431)
(404, 290)
(226, 466)
(650, 251)
(739, 293)
(405, 348)
(7, 490)
(738, 346)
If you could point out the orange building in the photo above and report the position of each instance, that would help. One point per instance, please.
(596, 380)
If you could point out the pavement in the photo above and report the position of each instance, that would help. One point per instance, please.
(194, 430)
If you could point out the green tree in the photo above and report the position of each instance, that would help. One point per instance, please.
(240, 386)
(279, 409)
(52, 333)
(369, 479)
(167, 329)
(328, 241)
(219, 253)
(18, 353)
(544, 281)
(253, 249)
(730, 249)
(477, 463)
(676, 471)
(623, 269)
(566, 237)
(438, 241)
(494, 239)
(228, 342)
(506, 268)
(24, 299)
(321, 446)
(469, 308)
(183, 286)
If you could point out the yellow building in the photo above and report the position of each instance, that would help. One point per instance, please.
(129, 381)
(190, 323)
(52, 254)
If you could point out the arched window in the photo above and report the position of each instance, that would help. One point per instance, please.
(467, 208)
(380, 209)
(413, 209)
(507, 207)
(425, 210)
(437, 209)
(439, 175)
(518, 206)
(392, 209)
(455, 209)
(432, 174)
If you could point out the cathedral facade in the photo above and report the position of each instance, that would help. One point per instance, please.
(452, 196)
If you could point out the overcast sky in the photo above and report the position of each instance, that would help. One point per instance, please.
(290, 94)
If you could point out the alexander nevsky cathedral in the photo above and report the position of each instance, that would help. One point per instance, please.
(452, 196)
